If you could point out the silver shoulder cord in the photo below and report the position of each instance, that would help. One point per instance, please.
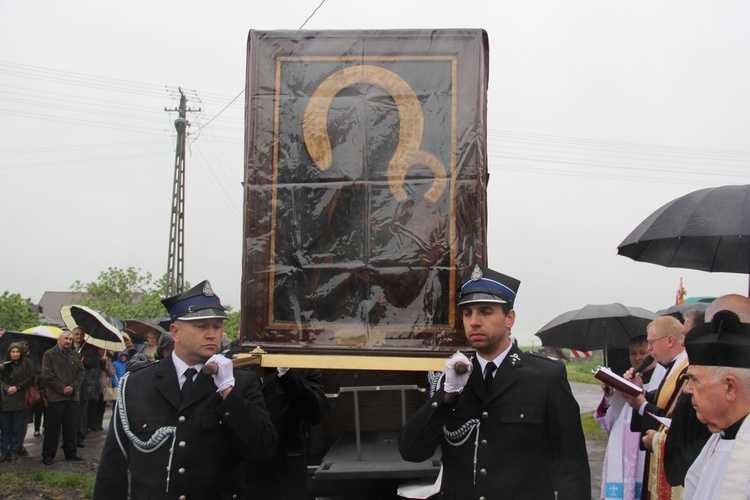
(159, 437)
(460, 435)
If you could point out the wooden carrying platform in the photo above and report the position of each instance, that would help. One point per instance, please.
(325, 361)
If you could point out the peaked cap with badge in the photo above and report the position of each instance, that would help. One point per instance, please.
(200, 302)
(725, 341)
(486, 285)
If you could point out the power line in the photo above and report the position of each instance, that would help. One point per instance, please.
(56, 149)
(313, 13)
(614, 144)
(220, 112)
(88, 123)
(59, 162)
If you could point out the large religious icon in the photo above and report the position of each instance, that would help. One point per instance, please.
(365, 187)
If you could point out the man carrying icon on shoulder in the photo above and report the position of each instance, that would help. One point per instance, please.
(177, 432)
(509, 426)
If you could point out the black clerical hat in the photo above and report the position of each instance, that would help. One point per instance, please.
(725, 341)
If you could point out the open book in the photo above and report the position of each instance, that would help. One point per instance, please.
(616, 382)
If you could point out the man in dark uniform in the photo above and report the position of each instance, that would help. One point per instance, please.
(296, 400)
(509, 427)
(177, 432)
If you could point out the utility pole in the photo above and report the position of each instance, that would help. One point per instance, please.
(176, 258)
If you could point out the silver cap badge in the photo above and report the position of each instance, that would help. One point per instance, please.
(476, 274)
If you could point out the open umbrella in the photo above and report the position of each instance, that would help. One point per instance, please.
(595, 327)
(98, 327)
(138, 329)
(683, 308)
(707, 230)
(51, 332)
(40, 339)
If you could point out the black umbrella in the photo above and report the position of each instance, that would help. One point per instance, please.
(99, 328)
(596, 327)
(38, 342)
(683, 308)
(707, 230)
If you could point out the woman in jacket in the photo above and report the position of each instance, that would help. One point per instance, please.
(13, 414)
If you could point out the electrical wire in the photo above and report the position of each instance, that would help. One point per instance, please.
(313, 13)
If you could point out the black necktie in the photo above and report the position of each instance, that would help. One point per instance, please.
(488, 371)
(188, 382)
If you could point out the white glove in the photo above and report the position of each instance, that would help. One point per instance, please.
(224, 376)
(281, 371)
(455, 382)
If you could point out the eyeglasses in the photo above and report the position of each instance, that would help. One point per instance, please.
(652, 342)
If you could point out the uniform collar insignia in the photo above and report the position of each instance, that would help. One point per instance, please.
(514, 359)
(476, 274)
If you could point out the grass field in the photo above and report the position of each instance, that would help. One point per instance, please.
(47, 485)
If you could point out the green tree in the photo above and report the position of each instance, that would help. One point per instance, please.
(16, 312)
(124, 293)
(232, 325)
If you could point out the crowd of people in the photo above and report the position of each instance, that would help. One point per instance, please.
(72, 399)
(677, 438)
(263, 442)
(189, 424)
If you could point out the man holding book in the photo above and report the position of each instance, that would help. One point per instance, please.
(664, 337)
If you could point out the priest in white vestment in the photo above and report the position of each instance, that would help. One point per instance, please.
(719, 386)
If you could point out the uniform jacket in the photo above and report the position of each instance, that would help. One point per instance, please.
(530, 442)
(295, 401)
(60, 371)
(212, 437)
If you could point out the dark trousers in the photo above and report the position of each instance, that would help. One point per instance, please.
(38, 419)
(96, 414)
(83, 419)
(60, 415)
(11, 426)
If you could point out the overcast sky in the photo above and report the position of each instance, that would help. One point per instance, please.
(599, 112)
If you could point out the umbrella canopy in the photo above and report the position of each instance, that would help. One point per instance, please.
(683, 308)
(595, 327)
(707, 230)
(98, 327)
(51, 332)
(138, 329)
(40, 339)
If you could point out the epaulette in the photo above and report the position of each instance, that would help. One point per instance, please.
(141, 364)
(543, 356)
